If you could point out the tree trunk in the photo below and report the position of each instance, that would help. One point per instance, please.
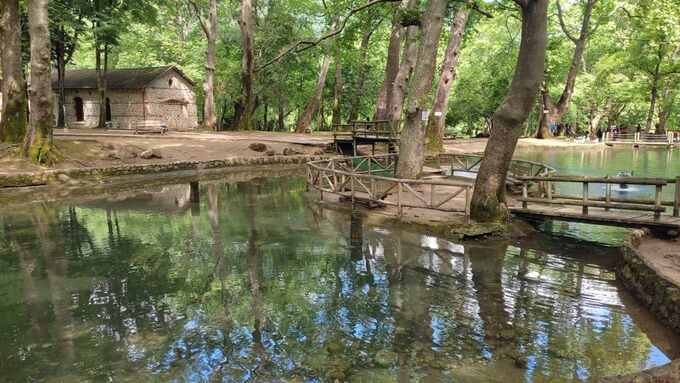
(61, 73)
(280, 120)
(247, 26)
(209, 118)
(559, 109)
(391, 69)
(594, 122)
(305, 119)
(38, 142)
(337, 93)
(656, 77)
(359, 90)
(101, 82)
(14, 99)
(435, 126)
(408, 62)
(547, 114)
(488, 200)
(667, 102)
(412, 143)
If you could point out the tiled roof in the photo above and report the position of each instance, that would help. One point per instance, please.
(132, 78)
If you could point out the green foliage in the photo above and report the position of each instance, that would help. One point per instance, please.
(628, 38)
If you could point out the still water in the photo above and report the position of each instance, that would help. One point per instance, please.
(257, 282)
(606, 161)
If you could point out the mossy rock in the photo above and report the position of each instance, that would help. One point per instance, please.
(474, 230)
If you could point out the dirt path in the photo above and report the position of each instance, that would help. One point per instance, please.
(105, 148)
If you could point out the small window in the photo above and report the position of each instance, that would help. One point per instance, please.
(170, 83)
(80, 114)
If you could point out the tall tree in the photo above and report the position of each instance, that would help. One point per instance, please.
(38, 140)
(14, 99)
(337, 92)
(65, 29)
(382, 107)
(247, 25)
(305, 120)
(209, 26)
(553, 112)
(435, 125)
(408, 61)
(412, 142)
(488, 200)
(362, 69)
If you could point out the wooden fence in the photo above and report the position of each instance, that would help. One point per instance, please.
(359, 179)
(470, 163)
(547, 193)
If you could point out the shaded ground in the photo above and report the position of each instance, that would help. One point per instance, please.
(101, 149)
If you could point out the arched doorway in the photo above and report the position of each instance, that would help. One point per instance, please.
(80, 114)
(108, 109)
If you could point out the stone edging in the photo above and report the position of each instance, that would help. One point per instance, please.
(658, 294)
(99, 173)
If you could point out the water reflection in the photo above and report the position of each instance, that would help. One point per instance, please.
(253, 282)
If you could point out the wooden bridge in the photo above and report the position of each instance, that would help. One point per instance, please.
(370, 181)
(602, 200)
(641, 139)
(347, 137)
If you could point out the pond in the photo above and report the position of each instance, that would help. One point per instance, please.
(257, 282)
(605, 161)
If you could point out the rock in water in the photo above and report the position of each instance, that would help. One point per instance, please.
(151, 153)
(257, 146)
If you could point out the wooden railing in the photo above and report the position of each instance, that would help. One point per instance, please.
(547, 194)
(471, 162)
(358, 178)
(639, 138)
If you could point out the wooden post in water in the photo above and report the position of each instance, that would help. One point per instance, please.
(194, 196)
(585, 198)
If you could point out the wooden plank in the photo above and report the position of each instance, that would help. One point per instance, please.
(590, 203)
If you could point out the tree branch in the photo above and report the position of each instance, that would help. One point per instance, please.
(563, 25)
(303, 45)
(475, 7)
(197, 11)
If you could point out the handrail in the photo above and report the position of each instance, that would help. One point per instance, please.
(342, 177)
(608, 202)
(599, 180)
(518, 168)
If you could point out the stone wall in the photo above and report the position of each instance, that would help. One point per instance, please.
(658, 294)
(169, 98)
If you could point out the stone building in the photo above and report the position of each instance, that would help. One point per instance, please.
(132, 96)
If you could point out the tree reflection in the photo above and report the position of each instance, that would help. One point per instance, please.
(255, 286)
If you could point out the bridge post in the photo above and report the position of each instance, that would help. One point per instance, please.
(585, 198)
(657, 201)
(676, 204)
(525, 195)
(468, 202)
(400, 209)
